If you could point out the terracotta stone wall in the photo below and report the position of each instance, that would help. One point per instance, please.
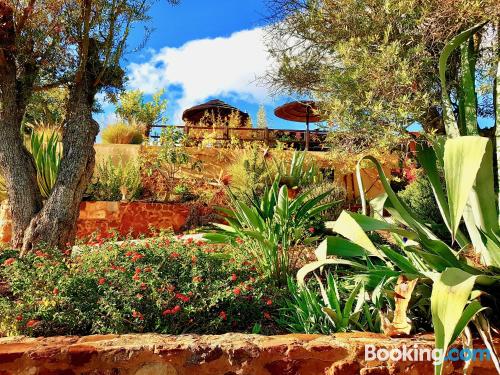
(136, 218)
(230, 354)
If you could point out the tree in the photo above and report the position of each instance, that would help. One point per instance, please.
(46, 44)
(133, 108)
(262, 118)
(373, 63)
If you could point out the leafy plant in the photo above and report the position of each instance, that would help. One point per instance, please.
(310, 310)
(181, 189)
(123, 133)
(162, 285)
(271, 226)
(47, 154)
(459, 277)
(111, 181)
(298, 173)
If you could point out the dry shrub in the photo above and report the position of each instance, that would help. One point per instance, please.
(123, 133)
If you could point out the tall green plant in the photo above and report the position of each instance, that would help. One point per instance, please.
(47, 154)
(272, 225)
(461, 271)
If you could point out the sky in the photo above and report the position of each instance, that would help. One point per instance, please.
(201, 50)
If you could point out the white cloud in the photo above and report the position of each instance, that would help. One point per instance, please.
(207, 68)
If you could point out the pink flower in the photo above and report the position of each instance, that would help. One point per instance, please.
(234, 277)
(223, 315)
(311, 230)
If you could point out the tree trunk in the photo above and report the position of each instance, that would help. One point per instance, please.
(55, 224)
(16, 162)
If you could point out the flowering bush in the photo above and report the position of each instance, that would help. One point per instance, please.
(162, 285)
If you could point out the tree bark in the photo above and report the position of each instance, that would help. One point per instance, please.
(55, 224)
(16, 162)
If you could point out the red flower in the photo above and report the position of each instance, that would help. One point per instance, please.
(223, 315)
(237, 291)
(19, 317)
(147, 269)
(40, 254)
(167, 242)
(174, 255)
(189, 240)
(143, 286)
(32, 323)
(102, 280)
(129, 253)
(311, 230)
(55, 291)
(182, 297)
(9, 261)
(135, 277)
(176, 309)
(200, 243)
(197, 279)
(234, 277)
(194, 259)
(267, 315)
(136, 257)
(226, 180)
(269, 302)
(138, 315)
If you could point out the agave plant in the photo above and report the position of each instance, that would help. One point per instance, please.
(47, 155)
(463, 271)
(272, 224)
(298, 173)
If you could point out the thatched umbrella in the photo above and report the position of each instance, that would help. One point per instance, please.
(305, 111)
(216, 107)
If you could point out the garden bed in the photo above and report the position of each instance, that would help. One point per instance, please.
(225, 354)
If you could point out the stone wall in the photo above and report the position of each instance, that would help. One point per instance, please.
(136, 218)
(230, 354)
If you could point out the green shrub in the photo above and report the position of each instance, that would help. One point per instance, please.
(329, 307)
(123, 133)
(163, 285)
(111, 181)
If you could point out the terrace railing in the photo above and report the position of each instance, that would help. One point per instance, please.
(223, 134)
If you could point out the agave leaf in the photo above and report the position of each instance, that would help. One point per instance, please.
(310, 267)
(467, 79)
(448, 115)
(450, 295)
(340, 247)
(463, 157)
(349, 228)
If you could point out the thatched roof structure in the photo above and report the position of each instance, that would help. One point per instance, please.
(216, 107)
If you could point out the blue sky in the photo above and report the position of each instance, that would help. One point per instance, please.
(201, 50)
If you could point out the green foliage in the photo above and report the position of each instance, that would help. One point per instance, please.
(341, 307)
(419, 198)
(123, 133)
(297, 173)
(459, 278)
(162, 285)
(172, 155)
(47, 153)
(373, 65)
(271, 225)
(133, 108)
(48, 107)
(249, 173)
(336, 196)
(111, 181)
